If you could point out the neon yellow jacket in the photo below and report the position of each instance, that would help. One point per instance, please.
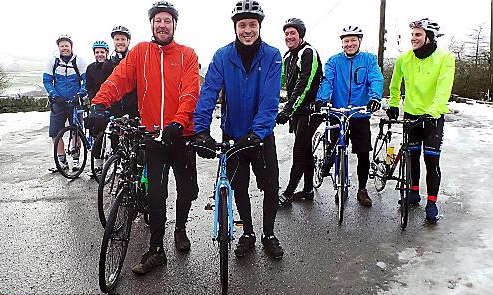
(428, 82)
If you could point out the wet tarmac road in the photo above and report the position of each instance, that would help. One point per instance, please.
(51, 235)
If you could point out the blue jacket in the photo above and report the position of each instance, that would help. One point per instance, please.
(65, 82)
(351, 81)
(251, 100)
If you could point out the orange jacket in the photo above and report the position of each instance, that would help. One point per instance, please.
(152, 68)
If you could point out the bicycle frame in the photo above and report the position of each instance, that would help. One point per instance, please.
(340, 148)
(223, 182)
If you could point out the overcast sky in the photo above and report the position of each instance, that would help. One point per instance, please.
(29, 28)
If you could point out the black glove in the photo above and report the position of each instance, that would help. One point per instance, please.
(205, 145)
(57, 99)
(373, 105)
(317, 106)
(97, 119)
(251, 139)
(171, 132)
(393, 113)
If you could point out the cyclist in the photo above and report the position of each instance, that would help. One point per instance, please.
(302, 73)
(166, 75)
(64, 79)
(94, 73)
(353, 78)
(428, 74)
(128, 104)
(249, 72)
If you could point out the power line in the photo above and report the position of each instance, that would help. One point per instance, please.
(326, 15)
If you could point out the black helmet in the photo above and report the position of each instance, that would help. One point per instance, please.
(297, 24)
(247, 9)
(64, 38)
(121, 30)
(163, 6)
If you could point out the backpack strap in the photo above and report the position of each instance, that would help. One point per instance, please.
(56, 64)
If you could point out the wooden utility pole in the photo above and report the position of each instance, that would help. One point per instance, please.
(490, 90)
(381, 38)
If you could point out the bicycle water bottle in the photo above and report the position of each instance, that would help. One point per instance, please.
(89, 140)
(390, 155)
(144, 179)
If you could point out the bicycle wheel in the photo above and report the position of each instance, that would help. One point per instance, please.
(223, 238)
(108, 186)
(405, 187)
(342, 189)
(378, 164)
(101, 150)
(75, 148)
(318, 158)
(115, 241)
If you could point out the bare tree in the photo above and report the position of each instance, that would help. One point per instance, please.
(4, 79)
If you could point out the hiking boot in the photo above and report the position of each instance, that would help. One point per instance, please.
(431, 212)
(272, 247)
(150, 260)
(182, 242)
(246, 243)
(363, 198)
(285, 199)
(306, 195)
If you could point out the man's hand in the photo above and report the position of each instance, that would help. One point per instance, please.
(393, 113)
(57, 100)
(171, 132)
(97, 119)
(205, 145)
(317, 106)
(251, 139)
(373, 105)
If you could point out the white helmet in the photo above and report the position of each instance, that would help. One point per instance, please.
(427, 25)
(351, 31)
(247, 9)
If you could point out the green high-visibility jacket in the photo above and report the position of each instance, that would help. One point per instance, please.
(428, 82)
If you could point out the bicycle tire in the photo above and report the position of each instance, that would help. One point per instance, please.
(378, 164)
(68, 136)
(405, 187)
(103, 154)
(318, 158)
(223, 238)
(342, 188)
(108, 186)
(116, 232)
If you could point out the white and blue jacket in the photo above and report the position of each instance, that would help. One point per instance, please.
(63, 80)
(351, 81)
(251, 100)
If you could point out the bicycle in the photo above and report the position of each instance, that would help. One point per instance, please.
(125, 130)
(74, 141)
(130, 200)
(384, 162)
(223, 228)
(323, 155)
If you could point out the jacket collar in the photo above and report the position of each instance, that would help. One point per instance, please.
(236, 59)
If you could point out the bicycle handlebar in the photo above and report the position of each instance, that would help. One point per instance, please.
(227, 147)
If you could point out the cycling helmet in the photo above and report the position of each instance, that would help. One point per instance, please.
(427, 25)
(100, 44)
(297, 24)
(163, 6)
(247, 9)
(121, 30)
(64, 38)
(351, 31)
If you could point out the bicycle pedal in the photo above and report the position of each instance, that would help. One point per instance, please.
(209, 207)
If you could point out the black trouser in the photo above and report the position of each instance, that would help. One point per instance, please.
(360, 135)
(181, 158)
(429, 135)
(265, 167)
(304, 127)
